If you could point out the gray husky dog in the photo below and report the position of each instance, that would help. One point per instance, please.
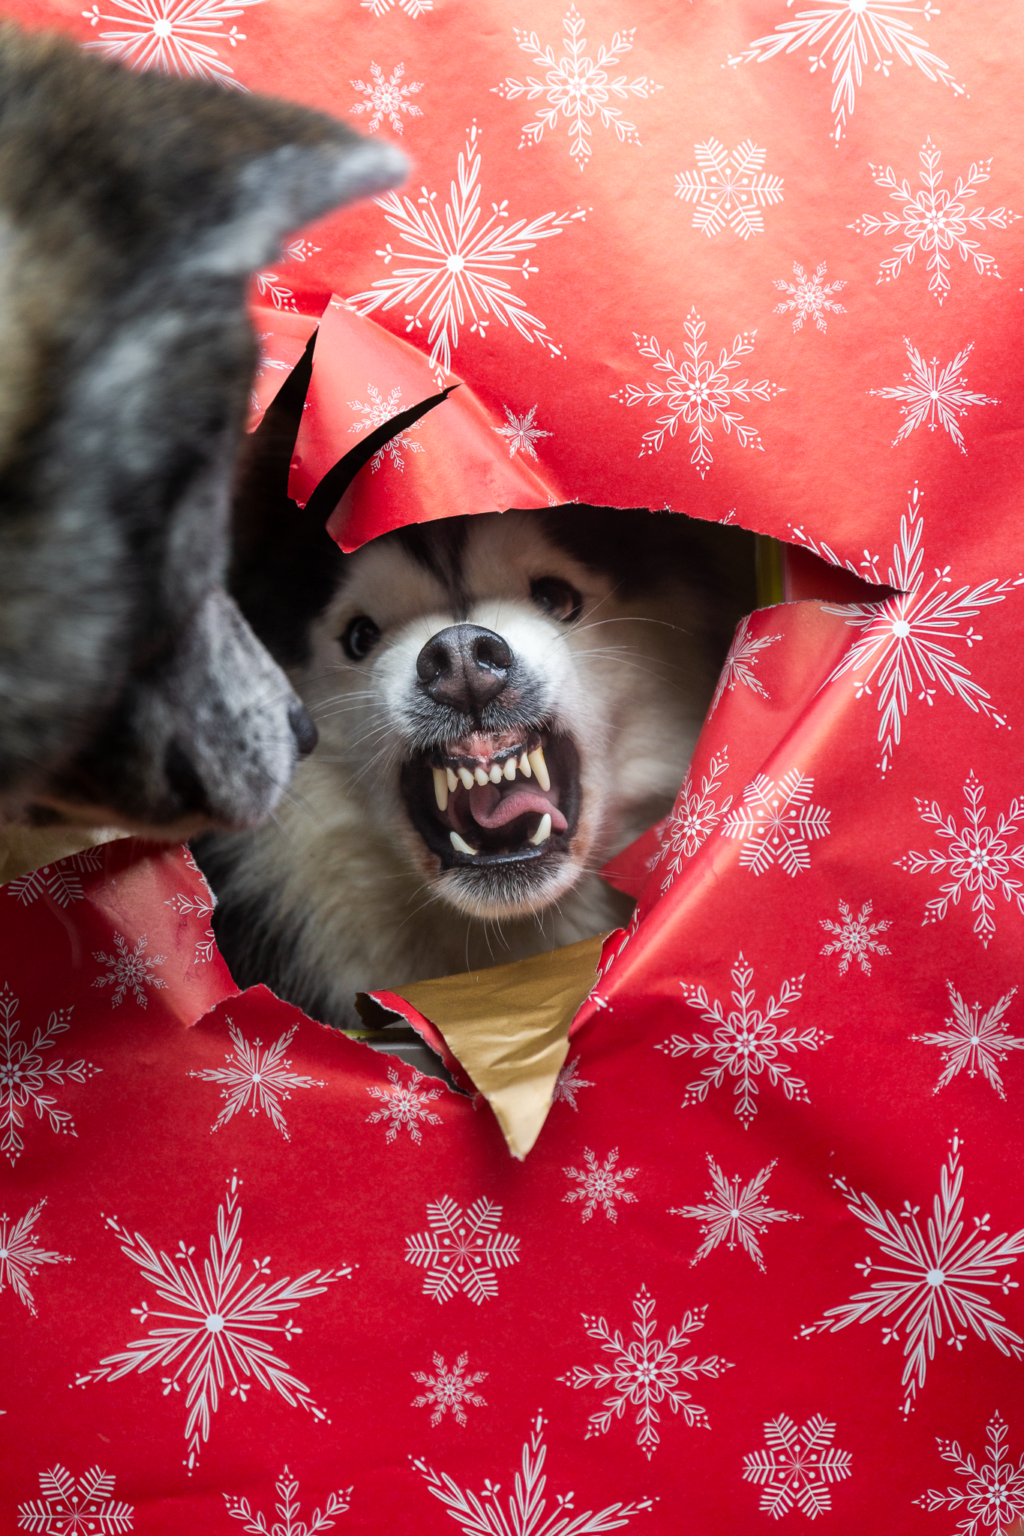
(504, 702)
(133, 210)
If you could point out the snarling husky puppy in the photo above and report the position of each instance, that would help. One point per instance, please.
(503, 702)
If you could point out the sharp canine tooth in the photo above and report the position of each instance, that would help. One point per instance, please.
(481, 776)
(461, 846)
(510, 768)
(453, 782)
(466, 777)
(495, 774)
(542, 833)
(440, 789)
(540, 768)
(524, 767)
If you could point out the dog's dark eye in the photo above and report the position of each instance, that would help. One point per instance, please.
(557, 597)
(360, 637)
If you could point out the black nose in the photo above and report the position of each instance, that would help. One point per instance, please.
(464, 667)
(305, 732)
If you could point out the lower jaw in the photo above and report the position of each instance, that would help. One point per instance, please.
(508, 888)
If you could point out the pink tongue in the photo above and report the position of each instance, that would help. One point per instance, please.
(490, 808)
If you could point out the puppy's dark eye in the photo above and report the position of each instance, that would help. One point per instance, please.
(557, 597)
(360, 637)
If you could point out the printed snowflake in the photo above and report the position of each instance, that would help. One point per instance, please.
(256, 1079)
(994, 1495)
(215, 1324)
(462, 1250)
(974, 1041)
(729, 189)
(855, 938)
(934, 222)
(200, 906)
(377, 411)
(797, 1466)
(578, 87)
(523, 1515)
(26, 1074)
(449, 1389)
(458, 262)
(386, 98)
(129, 969)
(733, 1215)
(270, 286)
(405, 1106)
(520, 433)
(905, 642)
(413, 8)
(694, 817)
(76, 1504)
(745, 1044)
(978, 859)
(21, 1255)
(935, 1279)
(169, 36)
(568, 1084)
(867, 568)
(809, 296)
(290, 1523)
(600, 1184)
(743, 656)
(846, 33)
(697, 392)
(59, 881)
(645, 1372)
(776, 824)
(934, 395)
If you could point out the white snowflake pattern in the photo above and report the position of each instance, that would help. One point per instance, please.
(577, 87)
(645, 1371)
(693, 819)
(256, 1079)
(934, 395)
(75, 1506)
(270, 286)
(743, 655)
(810, 297)
(458, 262)
(797, 1466)
(994, 1495)
(449, 1387)
(21, 1255)
(26, 1075)
(129, 970)
(847, 33)
(386, 98)
(170, 36)
(413, 8)
(855, 938)
(974, 1041)
(904, 648)
(600, 1184)
(462, 1250)
(733, 1215)
(866, 569)
(776, 824)
(729, 189)
(200, 906)
(934, 221)
(405, 1106)
(746, 1043)
(978, 859)
(698, 392)
(568, 1084)
(525, 1511)
(219, 1323)
(520, 432)
(289, 1510)
(377, 411)
(935, 1278)
(60, 882)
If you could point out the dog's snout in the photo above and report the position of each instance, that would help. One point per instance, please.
(464, 666)
(305, 732)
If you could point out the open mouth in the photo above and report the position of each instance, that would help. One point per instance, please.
(495, 799)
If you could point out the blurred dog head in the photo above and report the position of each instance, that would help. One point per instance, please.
(133, 210)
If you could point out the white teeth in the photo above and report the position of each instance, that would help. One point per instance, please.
(510, 768)
(441, 789)
(540, 768)
(495, 774)
(524, 767)
(461, 846)
(466, 777)
(542, 833)
(453, 782)
(481, 776)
